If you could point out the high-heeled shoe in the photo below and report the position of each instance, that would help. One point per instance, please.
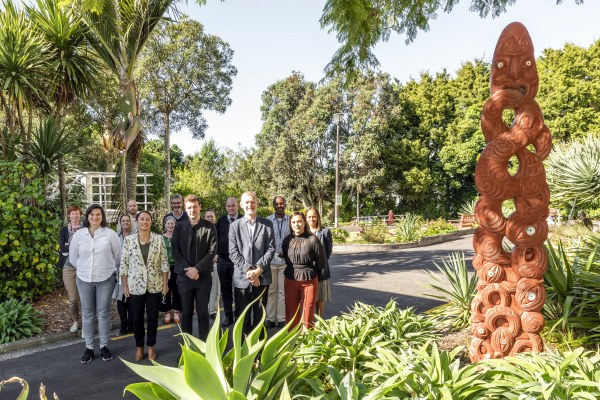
(139, 354)
(168, 317)
(176, 316)
(151, 353)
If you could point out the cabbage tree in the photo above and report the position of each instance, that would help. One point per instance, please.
(118, 31)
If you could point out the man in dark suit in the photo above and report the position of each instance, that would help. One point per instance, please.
(224, 265)
(193, 246)
(251, 249)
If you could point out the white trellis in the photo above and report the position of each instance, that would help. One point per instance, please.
(98, 187)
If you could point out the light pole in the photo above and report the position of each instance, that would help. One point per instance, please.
(338, 120)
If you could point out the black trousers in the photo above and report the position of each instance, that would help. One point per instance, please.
(198, 290)
(228, 294)
(174, 305)
(253, 315)
(125, 314)
(139, 303)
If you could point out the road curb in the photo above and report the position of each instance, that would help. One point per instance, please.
(53, 338)
(424, 241)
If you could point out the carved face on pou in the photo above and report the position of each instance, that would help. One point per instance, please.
(513, 67)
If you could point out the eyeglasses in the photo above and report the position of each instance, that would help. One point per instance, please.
(176, 203)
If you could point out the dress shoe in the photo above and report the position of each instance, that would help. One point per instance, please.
(139, 354)
(151, 353)
(269, 324)
(227, 321)
(213, 315)
(281, 324)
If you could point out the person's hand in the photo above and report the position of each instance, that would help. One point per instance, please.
(281, 254)
(126, 290)
(165, 288)
(192, 273)
(215, 259)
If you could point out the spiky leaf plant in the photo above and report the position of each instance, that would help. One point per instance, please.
(205, 373)
(469, 207)
(18, 320)
(573, 170)
(407, 229)
(458, 293)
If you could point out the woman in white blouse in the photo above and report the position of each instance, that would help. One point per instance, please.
(145, 271)
(95, 251)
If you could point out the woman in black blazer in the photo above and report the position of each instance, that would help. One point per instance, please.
(314, 221)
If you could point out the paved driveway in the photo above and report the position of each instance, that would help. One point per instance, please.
(372, 278)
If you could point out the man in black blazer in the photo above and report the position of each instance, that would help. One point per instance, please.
(251, 249)
(225, 267)
(193, 246)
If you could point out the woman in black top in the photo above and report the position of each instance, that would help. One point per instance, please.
(304, 258)
(314, 223)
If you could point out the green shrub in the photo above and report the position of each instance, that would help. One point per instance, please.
(438, 227)
(339, 235)
(18, 320)
(458, 294)
(375, 234)
(407, 229)
(28, 234)
(349, 342)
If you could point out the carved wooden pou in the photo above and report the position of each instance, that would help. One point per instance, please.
(506, 311)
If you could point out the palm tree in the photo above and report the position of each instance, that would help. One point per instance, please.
(118, 31)
(72, 70)
(23, 73)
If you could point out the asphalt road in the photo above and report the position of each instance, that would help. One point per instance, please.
(372, 278)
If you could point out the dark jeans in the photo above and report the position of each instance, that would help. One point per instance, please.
(229, 296)
(253, 315)
(173, 291)
(150, 303)
(198, 290)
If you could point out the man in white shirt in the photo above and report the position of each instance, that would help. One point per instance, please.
(276, 303)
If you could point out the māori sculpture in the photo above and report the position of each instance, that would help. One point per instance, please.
(506, 311)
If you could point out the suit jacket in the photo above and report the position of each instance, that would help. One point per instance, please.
(246, 254)
(222, 226)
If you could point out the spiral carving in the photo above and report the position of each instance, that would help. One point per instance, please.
(505, 313)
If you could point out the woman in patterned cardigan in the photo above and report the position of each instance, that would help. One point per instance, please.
(145, 271)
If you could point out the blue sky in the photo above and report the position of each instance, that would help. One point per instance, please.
(273, 38)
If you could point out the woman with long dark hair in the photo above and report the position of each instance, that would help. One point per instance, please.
(95, 251)
(316, 227)
(145, 272)
(304, 258)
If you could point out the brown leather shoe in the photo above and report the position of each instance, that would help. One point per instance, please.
(151, 353)
(139, 354)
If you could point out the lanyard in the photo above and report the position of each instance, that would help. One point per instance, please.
(279, 226)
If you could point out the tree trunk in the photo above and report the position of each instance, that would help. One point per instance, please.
(131, 171)
(62, 187)
(167, 161)
(357, 204)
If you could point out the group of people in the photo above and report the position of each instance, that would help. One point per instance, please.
(281, 259)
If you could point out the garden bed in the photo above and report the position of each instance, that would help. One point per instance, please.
(55, 309)
(422, 242)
